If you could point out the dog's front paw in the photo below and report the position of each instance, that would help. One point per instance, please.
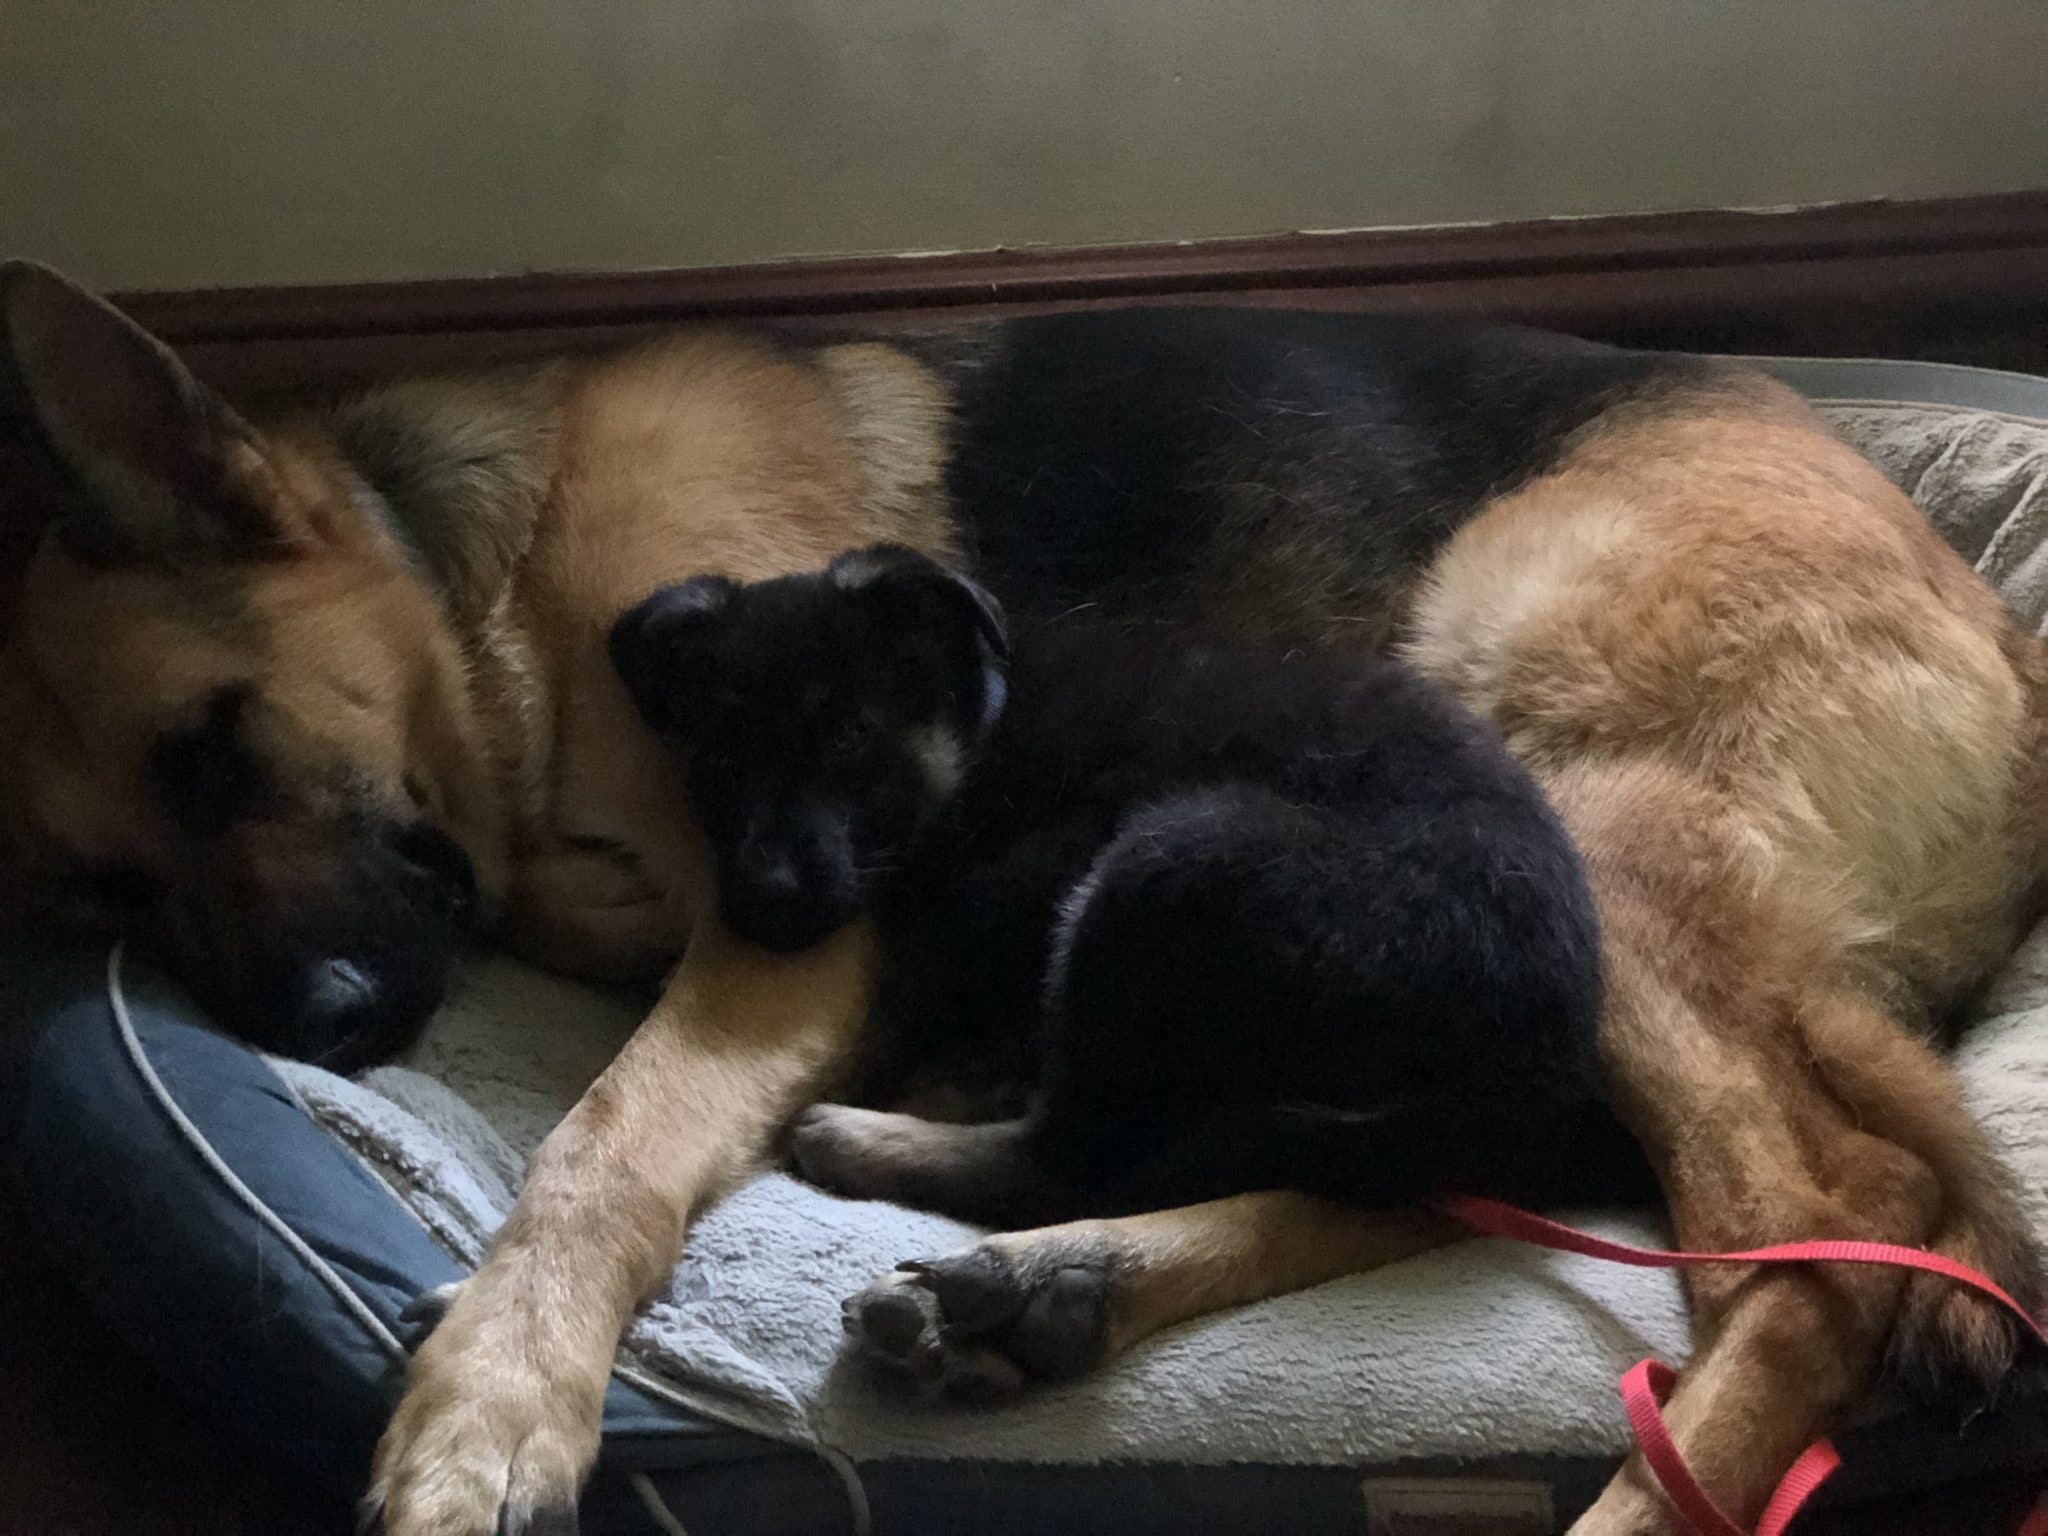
(495, 1433)
(982, 1324)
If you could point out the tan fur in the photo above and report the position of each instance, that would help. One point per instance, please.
(353, 658)
(503, 1400)
(1796, 739)
(1784, 725)
(472, 672)
(703, 454)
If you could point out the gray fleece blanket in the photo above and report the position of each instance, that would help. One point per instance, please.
(1481, 1349)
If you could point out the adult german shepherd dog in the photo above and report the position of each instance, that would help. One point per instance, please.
(296, 697)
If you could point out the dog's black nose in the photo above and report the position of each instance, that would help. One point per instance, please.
(339, 988)
(334, 1013)
(352, 1005)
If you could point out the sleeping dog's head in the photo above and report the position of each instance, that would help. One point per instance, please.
(236, 723)
(827, 718)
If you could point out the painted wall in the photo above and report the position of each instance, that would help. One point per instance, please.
(255, 141)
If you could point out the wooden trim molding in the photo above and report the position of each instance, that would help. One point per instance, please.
(1964, 279)
(979, 280)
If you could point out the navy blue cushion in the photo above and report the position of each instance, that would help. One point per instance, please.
(241, 1250)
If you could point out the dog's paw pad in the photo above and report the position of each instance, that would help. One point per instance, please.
(896, 1323)
(981, 1325)
(422, 1315)
(1064, 1324)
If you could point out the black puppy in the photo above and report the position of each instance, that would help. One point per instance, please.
(1250, 919)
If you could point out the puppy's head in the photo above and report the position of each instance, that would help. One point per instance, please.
(827, 720)
(233, 722)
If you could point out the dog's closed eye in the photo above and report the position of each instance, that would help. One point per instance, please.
(207, 775)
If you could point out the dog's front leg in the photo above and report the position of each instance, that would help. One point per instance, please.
(1020, 1308)
(499, 1422)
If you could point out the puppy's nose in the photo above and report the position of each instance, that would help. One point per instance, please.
(775, 874)
(779, 896)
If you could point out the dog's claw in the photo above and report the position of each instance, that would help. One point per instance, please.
(370, 1516)
(422, 1315)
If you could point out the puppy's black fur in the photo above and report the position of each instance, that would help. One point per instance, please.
(1258, 919)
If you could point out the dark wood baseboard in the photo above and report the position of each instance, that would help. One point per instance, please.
(1957, 279)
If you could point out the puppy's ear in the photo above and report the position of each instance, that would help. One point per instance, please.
(662, 649)
(919, 591)
(171, 474)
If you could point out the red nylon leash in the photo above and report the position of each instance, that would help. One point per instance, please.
(1643, 1390)
(1645, 1386)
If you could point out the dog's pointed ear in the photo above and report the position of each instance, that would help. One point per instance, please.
(923, 589)
(662, 651)
(166, 467)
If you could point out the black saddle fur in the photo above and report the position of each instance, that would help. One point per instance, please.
(1242, 918)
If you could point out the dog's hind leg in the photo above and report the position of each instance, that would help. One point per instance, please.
(1950, 1341)
(1752, 1149)
(986, 1172)
(499, 1422)
(1054, 1302)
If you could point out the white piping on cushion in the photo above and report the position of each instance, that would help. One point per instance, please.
(656, 1506)
(849, 1478)
(657, 1510)
(354, 1305)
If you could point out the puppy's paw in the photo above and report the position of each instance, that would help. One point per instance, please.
(496, 1431)
(862, 1153)
(982, 1324)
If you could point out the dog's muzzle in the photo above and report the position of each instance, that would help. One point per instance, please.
(355, 983)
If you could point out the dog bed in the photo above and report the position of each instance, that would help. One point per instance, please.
(253, 1227)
